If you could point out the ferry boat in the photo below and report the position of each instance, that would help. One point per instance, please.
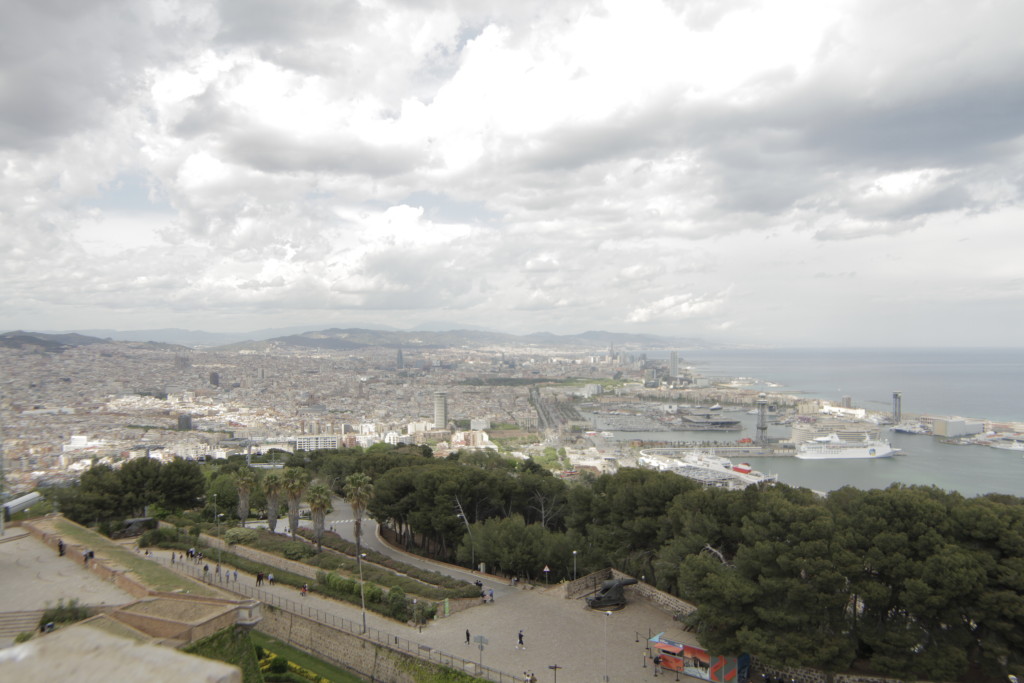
(910, 428)
(831, 447)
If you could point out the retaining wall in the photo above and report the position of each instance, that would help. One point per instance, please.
(357, 654)
(585, 585)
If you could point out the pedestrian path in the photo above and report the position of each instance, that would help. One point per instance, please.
(36, 577)
(584, 644)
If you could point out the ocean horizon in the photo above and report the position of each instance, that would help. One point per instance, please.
(980, 383)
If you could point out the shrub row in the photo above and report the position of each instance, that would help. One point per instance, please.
(453, 587)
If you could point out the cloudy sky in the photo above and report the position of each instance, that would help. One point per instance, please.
(774, 172)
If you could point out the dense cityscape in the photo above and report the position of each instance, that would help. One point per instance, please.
(107, 402)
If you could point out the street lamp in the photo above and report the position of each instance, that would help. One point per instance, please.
(461, 514)
(362, 593)
(573, 565)
(606, 645)
(216, 518)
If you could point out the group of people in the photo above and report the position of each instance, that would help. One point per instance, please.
(193, 555)
(528, 677)
(260, 577)
(487, 595)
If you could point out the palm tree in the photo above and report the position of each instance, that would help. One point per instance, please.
(245, 481)
(273, 484)
(319, 498)
(358, 492)
(294, 483)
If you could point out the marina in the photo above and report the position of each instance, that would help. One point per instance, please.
(704, 466)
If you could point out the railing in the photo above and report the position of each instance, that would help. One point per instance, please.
(331, 620)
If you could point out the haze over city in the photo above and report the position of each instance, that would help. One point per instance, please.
(801, 173)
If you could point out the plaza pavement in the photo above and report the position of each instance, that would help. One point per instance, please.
(34, 577)
(587, 645)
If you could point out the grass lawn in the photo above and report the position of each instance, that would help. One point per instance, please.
(303, 659)
(233, 646)
(150, 573)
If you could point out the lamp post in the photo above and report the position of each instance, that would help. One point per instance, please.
(362, 593)
(573, 565)
(216, 518)
(461, 514)
(606, 645)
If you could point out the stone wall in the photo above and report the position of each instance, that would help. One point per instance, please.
(585, 585)
(76, 553)
(375, 661)
(669, 603)
(262, 557)
(802, 675)
(332, 645)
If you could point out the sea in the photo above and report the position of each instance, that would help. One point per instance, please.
(984, 384)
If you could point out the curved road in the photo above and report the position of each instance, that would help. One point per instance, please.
(343, 522)
(587, 645)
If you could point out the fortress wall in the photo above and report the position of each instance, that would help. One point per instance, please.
(663, 600)
(338, 647)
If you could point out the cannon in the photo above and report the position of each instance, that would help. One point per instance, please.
(611, 595)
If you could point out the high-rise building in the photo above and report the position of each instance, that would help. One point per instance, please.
(184, 423)
(440, 410)
(399, 361)
(673, 364)
(316, 443)
(215, 379)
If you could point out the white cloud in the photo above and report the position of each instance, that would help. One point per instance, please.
(691, 168)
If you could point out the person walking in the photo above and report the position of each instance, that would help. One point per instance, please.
(520, 644)
(467, 636)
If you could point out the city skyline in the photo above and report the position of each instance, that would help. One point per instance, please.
(841, 173)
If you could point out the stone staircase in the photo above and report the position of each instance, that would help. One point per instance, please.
(13, 623)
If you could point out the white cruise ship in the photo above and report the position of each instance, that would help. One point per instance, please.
(831, 447)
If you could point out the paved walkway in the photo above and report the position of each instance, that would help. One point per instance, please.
(35, 577)
(587, 645)
(556, 631)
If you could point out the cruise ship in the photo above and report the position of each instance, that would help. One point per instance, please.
(831, 447)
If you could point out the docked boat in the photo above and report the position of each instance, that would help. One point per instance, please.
(831, 447)
(705, 467)
(910, 428)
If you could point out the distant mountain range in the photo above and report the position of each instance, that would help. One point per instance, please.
(342, 339)
(55, 343)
